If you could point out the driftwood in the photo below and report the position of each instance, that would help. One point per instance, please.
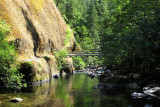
(147, 91)
(153, 92)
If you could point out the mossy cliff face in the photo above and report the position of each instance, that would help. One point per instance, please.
(38, 31)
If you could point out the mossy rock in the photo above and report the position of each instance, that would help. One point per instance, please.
(34, 71)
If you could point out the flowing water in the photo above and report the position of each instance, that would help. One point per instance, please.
(75, 91)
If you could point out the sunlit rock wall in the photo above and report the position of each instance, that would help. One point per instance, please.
(38, 30)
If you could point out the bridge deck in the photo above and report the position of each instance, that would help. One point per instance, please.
(85, 54)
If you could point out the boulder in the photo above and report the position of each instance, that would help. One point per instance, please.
(56, 76)
(154, 92)
(16, 100)
(92, 76)
(89, 73)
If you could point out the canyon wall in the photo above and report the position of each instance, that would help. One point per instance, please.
(38, 30)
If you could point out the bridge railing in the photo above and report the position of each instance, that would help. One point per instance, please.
(85, 54)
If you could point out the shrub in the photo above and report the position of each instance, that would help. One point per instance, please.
(78, 63)
(60, 56)
(9, 74)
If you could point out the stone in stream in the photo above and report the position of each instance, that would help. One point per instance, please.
(91, 76)
(138, 95)
(89, 73)
(97, 87)
(56, 76)
(149, 98)
(16, 100)
(133, 86)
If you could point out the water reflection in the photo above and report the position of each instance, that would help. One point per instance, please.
(75, 91)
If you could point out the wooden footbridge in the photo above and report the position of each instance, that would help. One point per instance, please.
(99, 54)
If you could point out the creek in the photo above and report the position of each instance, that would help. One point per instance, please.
(75, 91)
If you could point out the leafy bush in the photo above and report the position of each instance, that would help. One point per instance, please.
(9, 74)
(78, 63)
(60, 56)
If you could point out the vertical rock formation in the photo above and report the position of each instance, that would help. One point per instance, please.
(38, 30)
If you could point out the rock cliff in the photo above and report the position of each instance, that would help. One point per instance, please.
(38, 30)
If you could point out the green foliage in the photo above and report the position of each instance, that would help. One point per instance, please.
(78, 63)
(85, 18)
(60, 56)
(69, 36)
(9, 74)
(126, 31)
(131, 35)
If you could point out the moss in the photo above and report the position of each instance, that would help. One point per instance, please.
(32, 71)
(39, 67)
(37, 77)
(5, 15)
(3, 12)
(38, 4)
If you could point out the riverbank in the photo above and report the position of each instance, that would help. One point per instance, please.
(114, 83)
(129, 80)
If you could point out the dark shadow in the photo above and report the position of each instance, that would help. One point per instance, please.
(27, 70)
(47, 59)
(34, 33)
(74, 47)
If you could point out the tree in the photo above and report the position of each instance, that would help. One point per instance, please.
(133, 34)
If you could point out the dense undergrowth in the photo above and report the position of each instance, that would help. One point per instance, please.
(78, 63)
(60, 57)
